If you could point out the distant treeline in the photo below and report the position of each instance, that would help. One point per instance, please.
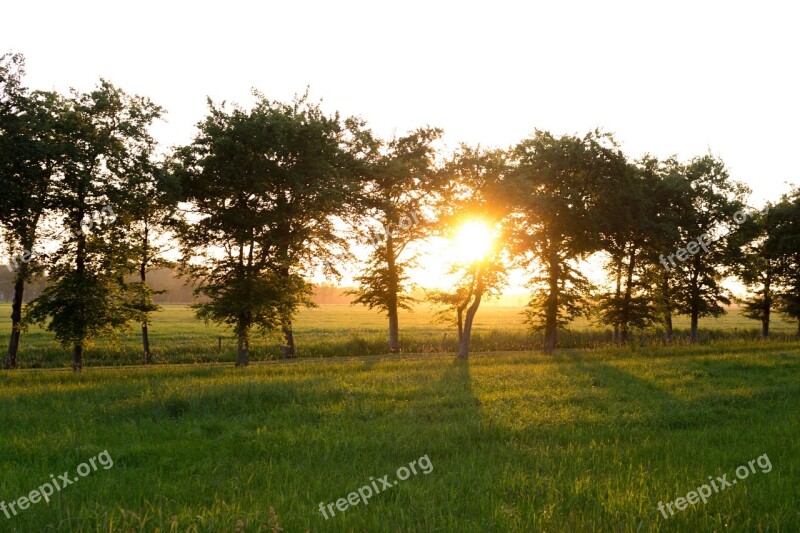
(176, 289)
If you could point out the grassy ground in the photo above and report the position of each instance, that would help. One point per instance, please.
(335, 330)
(517, 442)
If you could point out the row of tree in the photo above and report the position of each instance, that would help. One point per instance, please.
(556, 201)
(264, 197)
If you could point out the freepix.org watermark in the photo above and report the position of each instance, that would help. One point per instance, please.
(404, 223)
(701, 243)
(100, 218)
(56, 484)
(366, 492)
(719, 484)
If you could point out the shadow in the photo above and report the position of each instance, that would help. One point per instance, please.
(693, 393)
(622, 396)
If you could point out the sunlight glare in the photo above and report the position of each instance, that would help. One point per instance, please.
(473, 241)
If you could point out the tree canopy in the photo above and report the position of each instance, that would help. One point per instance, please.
(266, 199)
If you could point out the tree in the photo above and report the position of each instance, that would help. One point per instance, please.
(319, 185)
(669, 195)
(28, 158)
(451, 306)
(705, 255)
(262, 188)
(400, 185)
(757, 265)
(474, 199)
(103, 134)
(559, 182)
(151, 203)
(629, 224)
(784, 232)
(13, 97)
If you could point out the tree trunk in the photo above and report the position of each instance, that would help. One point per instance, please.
(626, 302)
(551, 310)
(288, 348)
(243, 350)
(767, 305)
(393, 289)
(617, 296)
(695, 303)
(694, 323)
(667, 327)
(77, 357)
(798, 328)
(666, 302)
(243, 341)
(394, 331)
(460, 318)
(463, 351)
(20, 276)
(148, 358)
(80, 271)
(245, 319)
(16, 319)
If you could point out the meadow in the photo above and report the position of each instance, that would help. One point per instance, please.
(590, 439)
(579, 441)
(332, 330)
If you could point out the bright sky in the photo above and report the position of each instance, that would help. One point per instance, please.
(677, 77)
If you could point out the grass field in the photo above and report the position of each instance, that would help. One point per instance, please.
(335, 330)
(583, 441)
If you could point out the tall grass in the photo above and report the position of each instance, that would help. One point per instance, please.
(519, 442)
(337, 330)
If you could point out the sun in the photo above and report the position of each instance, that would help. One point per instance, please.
(473, 241)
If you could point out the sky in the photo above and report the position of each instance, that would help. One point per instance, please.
(679, 78)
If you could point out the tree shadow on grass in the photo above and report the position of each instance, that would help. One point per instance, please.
(622, 397)
(706, 393)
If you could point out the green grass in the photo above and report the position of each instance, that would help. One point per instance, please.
(583, 441)
(336, 330)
